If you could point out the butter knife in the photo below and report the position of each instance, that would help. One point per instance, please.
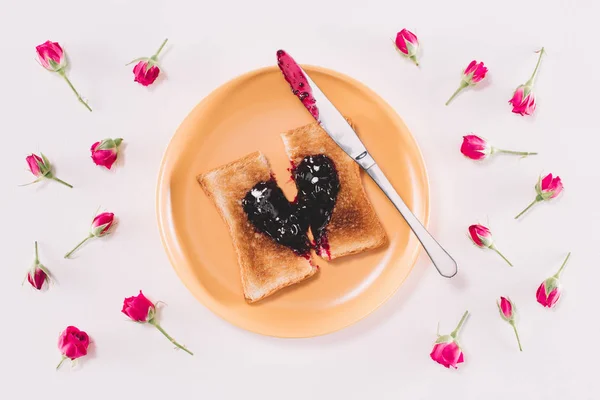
(336, 126)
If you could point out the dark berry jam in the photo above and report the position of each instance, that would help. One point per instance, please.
(271, 213)
(287, 223)
(295, 77)
(318, 186)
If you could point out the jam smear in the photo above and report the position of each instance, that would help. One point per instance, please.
(295, 77)
(287, 222)
(318, 186)
(271, 213)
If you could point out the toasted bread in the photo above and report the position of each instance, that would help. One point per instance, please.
(354, 226)
(266, 266)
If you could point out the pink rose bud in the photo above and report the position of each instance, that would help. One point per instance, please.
(37, 166)
(101, 224)
(73, 344)
(41, 168)
(37, 275)
(473, 74)
(523, 99)
(407, 44)
(477, 148)
(142, 310)
(145, 73)
(100, 227)
(547, 188)
(52, 57)
(506, 309)
(507, 312)
(446, 350)
(482, 237)
(139, 308)
(105, 153)
(548, 293)
(147, 69)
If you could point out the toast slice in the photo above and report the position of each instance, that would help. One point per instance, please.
(354, 227)
(265, 265)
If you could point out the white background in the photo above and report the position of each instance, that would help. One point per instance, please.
(385, 356)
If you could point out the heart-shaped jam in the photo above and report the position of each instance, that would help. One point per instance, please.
(288, 223)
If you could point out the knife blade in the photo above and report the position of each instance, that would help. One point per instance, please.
(336, 126)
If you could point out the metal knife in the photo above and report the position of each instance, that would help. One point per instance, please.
(336, 126)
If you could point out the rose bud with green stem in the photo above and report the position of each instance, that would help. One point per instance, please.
(523, 99)
(147, 68)
(472, 75)
(100, 227)
(549, 291)
(446, 350)
(140, 309)
(547, 188)
(37, 275)
(41, 168)
(477, 148)
(407, 44)
(482, 238)
(52, 57)
(507, 312)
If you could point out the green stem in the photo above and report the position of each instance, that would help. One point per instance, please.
(155, 56)
(78, 246)
(62, 360)
(527, 208)
(75, 91)
(153, 322)
(463, 85)
(530, 81)
(557, 275)
(517, 153)
(501, 255)
(37, 260)
(460, 324)
(517, 335)
(61, 181)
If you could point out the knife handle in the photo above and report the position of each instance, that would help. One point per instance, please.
(442, 261)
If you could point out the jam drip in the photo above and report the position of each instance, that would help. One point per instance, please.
(271, 213)
(318, 186)
(295, 77)
(288, 223)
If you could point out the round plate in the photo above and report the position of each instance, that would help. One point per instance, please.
(248, 114)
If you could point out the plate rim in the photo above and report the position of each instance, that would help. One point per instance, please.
(162, 201)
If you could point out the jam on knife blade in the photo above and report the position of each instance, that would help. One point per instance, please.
(295, 77)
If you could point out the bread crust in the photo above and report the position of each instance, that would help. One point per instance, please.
(354, 226)
(265, 265)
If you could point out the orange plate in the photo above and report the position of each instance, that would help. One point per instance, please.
(248, 114)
